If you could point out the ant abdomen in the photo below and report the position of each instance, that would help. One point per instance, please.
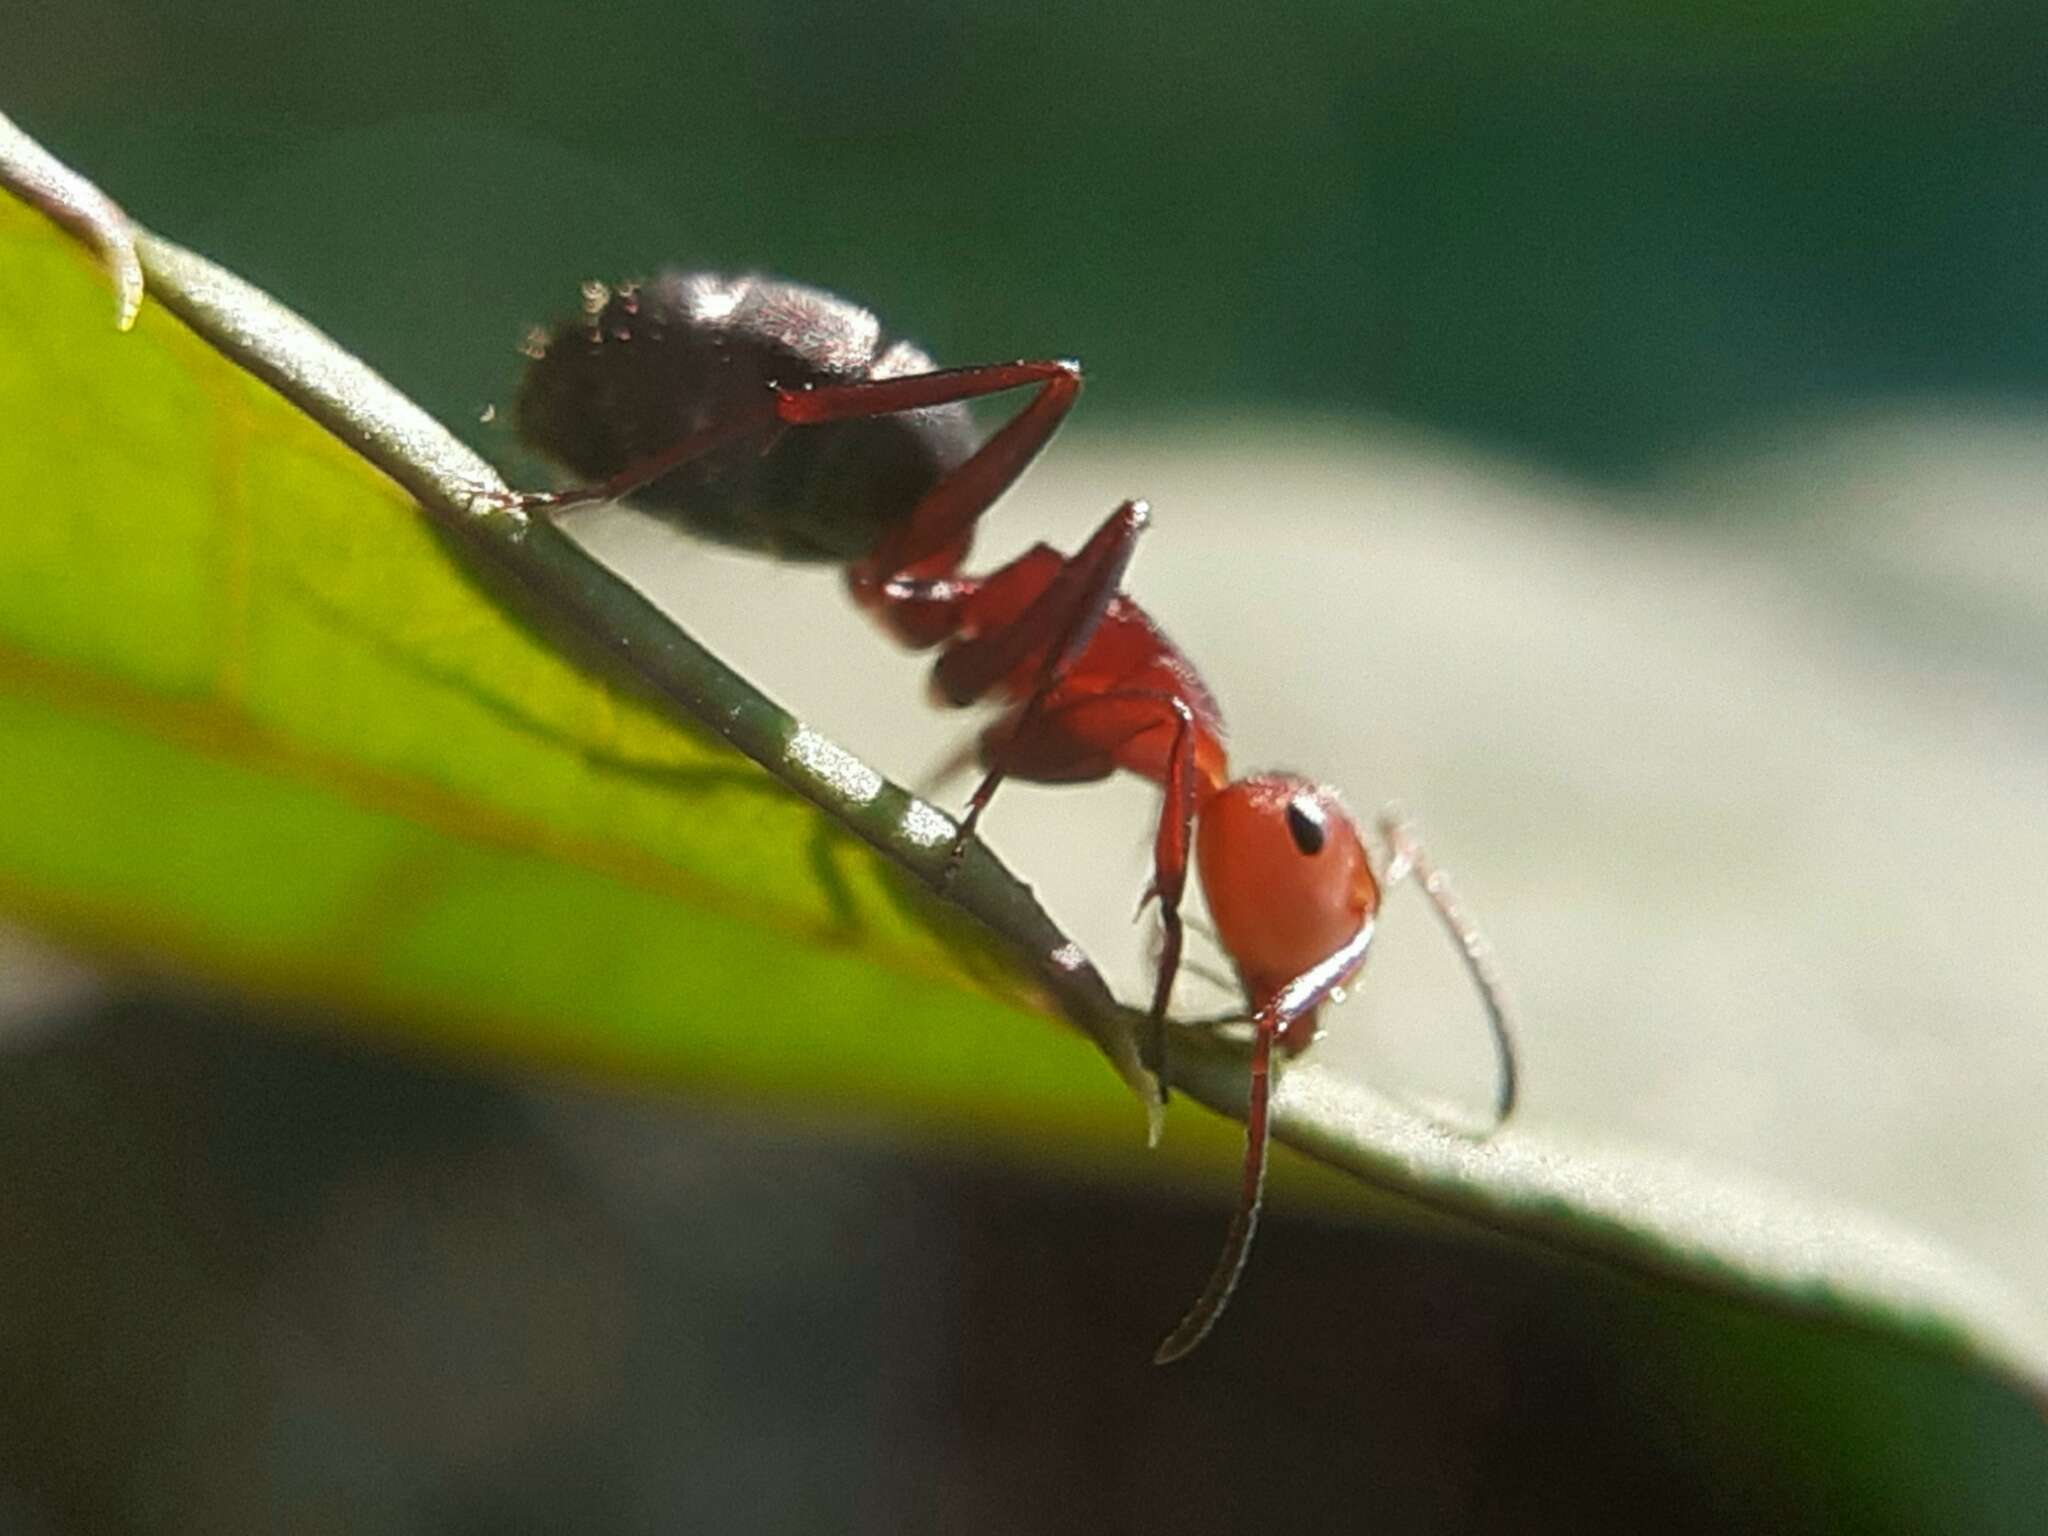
(647, 365)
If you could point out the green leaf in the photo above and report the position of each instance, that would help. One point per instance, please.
(260, 721)
(288, 701)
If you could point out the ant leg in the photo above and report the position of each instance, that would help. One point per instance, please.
(1084, 731)
(1207, 970)
(1058, 622)
(955, 503)
(938, 525)
(1170, 880)
(1061, 621)
(1406, 856)
(644, 472)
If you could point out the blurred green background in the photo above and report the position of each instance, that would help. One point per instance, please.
(255, 1282)
(1599, 231)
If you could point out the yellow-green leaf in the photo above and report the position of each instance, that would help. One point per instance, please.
(257, 717)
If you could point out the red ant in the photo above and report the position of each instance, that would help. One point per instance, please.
(683, 393)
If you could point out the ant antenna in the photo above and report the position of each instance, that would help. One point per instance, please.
(1298, 997)
(1406, 856)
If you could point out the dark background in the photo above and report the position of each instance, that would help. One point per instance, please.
(1600, 231)
(253, 1282)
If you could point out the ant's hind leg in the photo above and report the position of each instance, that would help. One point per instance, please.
(948, 509)
(645, 471)
(929, 541)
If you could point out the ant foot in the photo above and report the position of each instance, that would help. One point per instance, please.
(503, 499)
(963, 837)
(1152, 1057)
(1151, 895)
(955, 856)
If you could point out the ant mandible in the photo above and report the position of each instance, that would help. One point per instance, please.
(687, 393)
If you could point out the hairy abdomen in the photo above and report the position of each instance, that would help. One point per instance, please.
(646, 365)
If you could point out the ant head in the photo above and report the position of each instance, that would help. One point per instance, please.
(1287, 878)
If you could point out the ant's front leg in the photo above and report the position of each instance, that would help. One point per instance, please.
(929, 542)
(1075, 736)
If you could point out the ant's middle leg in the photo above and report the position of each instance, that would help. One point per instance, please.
(1056, 626)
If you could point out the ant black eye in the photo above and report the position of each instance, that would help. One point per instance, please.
(1305, 823)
